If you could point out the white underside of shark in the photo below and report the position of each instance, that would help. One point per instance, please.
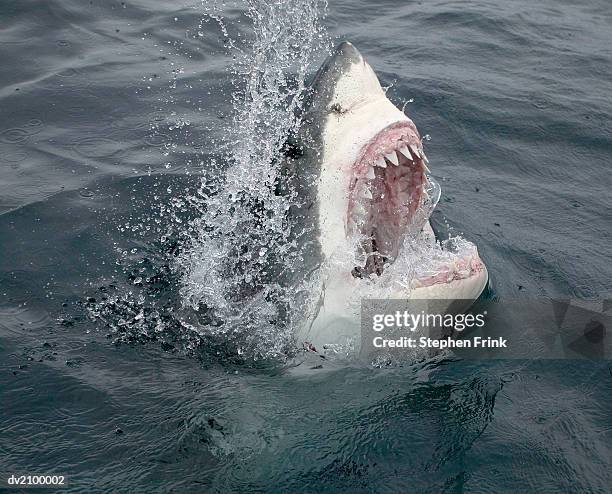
(375, 196)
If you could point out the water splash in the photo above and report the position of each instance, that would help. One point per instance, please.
(238, 264)
(230, 245)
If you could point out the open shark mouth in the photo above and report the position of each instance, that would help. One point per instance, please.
(387, 190)
(390, 198)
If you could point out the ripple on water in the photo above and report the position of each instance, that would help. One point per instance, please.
(14, 136)
(157, 139)
(98, 147)
(85, 192)
(17, 135)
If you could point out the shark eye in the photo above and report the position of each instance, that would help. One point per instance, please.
(336, 108)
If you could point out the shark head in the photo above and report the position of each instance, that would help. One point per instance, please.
(373, 163)
(374, 191)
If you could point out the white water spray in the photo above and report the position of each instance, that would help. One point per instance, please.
(243, 244)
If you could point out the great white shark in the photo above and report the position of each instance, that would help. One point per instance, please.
(372, 194)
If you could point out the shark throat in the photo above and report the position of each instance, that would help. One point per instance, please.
(388, 195)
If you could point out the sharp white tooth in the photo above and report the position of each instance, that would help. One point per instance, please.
(366, 193)
(424, 157)
(381, 162)
(404, 150)
(392, 157)
(414, 149)
(426, 168)
(370, 173)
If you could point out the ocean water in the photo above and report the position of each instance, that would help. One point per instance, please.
(126, 128)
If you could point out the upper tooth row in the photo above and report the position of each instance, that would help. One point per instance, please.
(392, 157)
(406, 150)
